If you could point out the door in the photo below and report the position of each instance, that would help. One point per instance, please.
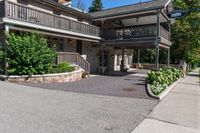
(79, 46)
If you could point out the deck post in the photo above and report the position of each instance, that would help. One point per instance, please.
(138, 56)
(168, 57)
(122, 61)
(157, 40)
(157, 49)
(5, 51)
(168, 50)
(169, 26)
(102, 60)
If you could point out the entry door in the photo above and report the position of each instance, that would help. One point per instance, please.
(79, 46)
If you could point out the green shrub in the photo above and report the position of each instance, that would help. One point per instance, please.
(159, 80)
(63, 67)
(28, 54)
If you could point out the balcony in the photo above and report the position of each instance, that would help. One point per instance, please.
(30, 15)
(135, 33)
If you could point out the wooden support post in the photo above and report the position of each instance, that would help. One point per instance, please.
(157, 40)
(5, 51)
(168, 50)
(102, 60)
(138, 56)
(122, 62)
(168, 57)
(169, 26)
(157, 56)
(102, 56)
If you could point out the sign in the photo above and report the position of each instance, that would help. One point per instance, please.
(177, 14)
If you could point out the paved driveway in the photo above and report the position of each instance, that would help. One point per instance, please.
(130, 85)
(25, 109)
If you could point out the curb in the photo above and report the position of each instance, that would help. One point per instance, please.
(162, 94)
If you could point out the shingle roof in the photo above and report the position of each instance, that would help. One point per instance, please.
(142, 6)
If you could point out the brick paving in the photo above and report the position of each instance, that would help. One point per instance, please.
(131, 85)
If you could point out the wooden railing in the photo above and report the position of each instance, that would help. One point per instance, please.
(73, 58)
(134, 32)
(131, 33)
(28, 14)
(164, 33)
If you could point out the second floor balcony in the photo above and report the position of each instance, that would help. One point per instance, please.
(138, 32)
(23, 13)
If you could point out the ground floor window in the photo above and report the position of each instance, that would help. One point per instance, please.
(56, 43)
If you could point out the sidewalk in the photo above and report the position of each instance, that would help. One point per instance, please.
(178, 112)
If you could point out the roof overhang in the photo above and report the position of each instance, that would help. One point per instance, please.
(128, 14)
(120, 12)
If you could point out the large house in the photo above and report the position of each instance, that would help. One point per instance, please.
(98, 42)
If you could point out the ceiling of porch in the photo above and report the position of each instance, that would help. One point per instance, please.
(145, 20)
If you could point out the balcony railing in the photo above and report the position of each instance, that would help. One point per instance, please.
(164, 33)
(135, 33)
(28, 14)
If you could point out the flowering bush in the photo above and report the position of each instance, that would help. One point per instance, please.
(159, 80)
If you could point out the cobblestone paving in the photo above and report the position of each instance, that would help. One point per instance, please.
(130, 85)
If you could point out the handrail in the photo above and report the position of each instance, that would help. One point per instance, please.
(29, 14)
(74, 58)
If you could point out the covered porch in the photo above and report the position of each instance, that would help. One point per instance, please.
(137, 29)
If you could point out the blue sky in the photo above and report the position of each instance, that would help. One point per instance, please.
(108, 3)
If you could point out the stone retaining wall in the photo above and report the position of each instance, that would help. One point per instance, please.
(47, 78)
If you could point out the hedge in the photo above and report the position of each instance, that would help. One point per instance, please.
(159, 80)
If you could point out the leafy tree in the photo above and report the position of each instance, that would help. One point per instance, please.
(97, 5)
(28, 54)
(186, 32)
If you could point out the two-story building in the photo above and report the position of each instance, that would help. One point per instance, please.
(100, 41)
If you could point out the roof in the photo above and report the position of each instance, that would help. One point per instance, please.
(138, 7)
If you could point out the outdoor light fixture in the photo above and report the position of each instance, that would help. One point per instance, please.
(69, 41)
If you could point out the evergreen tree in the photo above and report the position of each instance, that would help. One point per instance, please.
(97, 5)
